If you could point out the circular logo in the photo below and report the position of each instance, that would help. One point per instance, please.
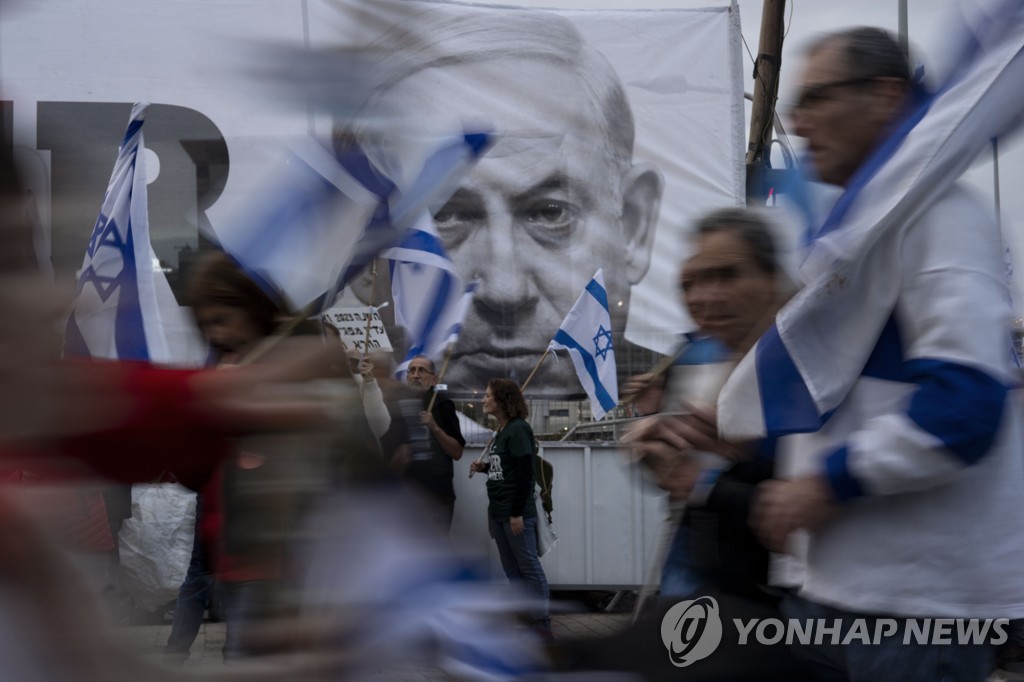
(691, 630)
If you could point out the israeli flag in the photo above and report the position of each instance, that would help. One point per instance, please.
(123, 306)
(586, 333)
(803, 367)
(328, 213)
(431, 300)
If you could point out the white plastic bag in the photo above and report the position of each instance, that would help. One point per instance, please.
(546, 536)
(155, 544)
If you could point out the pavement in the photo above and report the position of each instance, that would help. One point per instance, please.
(149, 640)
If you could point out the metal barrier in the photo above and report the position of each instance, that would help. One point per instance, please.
(604, 431)
(607, 515)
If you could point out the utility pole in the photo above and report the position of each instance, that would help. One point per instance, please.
(766, 91)
(903, 28)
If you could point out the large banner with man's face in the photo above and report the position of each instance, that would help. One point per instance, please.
(614, 129)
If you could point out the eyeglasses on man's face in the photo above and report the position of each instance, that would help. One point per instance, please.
(415, 371)
(814, 95)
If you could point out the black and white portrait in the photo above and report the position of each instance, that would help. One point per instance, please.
(566, 189)
(613, 129)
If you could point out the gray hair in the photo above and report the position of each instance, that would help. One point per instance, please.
(869, 52)
(435, 37)
(430, 362)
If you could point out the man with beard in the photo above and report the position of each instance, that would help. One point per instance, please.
(425, 438)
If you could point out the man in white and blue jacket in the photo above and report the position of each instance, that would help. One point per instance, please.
(891, 375)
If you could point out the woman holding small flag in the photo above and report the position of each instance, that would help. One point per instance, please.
(512, 514)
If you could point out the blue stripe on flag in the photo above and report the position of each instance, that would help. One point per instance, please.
(455, 330)
(110, 266)
(438, 306)
(74, 342)
(133, 128)
(431, 186)
(311, 216)
(702, 350)
(129, 332)
(439, 170)
(287, 212)
(562, 338)
(430, 299)
(788, 406)
(419, 240)
(598, 292)
(355, 161)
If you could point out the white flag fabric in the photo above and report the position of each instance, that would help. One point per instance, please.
(431, 301)
(327, 214)
(123, 304)
(801, 370)
(586, 334)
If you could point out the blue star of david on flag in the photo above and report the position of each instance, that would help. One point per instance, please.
(586, 327)
(115, 313)
(105, 234)
(604, 335)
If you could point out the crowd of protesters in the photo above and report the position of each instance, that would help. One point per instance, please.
(326, 497)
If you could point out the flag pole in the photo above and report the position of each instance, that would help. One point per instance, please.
(440, 375)
(282, 331)
(289, 326)
(535, 368)
(763, 322)
(483, 453)
(373, 302)
(660, 368)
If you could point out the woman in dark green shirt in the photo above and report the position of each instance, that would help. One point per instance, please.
(511, 510)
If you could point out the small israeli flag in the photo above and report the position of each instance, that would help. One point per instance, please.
(586, 333)
(431, 300)
(329, 212)
(123, 305)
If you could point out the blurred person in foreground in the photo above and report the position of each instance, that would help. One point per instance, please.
(511, 510)
(731, 286)
(425, 443)
(558, 196)
(122, 421)
(233, 315)
(911, 487)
